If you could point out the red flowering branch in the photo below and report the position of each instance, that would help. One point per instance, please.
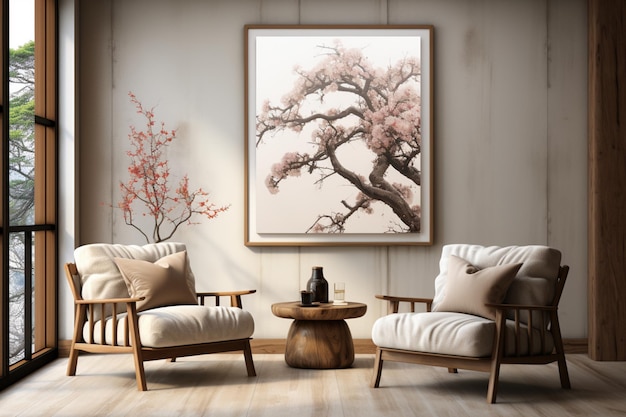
(148, 186)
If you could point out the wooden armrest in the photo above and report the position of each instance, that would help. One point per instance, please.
(224, 293)
(522, 307)
(86, 311)
(405, 299)
(394, 302)
(235, 296)
(109, 300)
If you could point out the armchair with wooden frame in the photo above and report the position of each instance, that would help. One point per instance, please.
(492, 306)
(142, 300)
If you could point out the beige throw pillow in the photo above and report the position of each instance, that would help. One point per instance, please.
(468, 288)
(163, 282)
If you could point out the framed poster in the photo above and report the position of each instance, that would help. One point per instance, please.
(339, 132)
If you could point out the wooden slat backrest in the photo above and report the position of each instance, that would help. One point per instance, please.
(546, 319)
(73, 279)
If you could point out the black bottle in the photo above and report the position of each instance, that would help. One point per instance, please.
(318, 285)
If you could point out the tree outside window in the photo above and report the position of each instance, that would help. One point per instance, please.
(21, 184)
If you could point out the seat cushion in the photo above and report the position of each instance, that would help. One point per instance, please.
(180, 325)
(450, 333)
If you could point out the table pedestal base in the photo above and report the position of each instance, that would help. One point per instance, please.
(319, 344)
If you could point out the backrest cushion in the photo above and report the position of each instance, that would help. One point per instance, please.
(101, 278)
(535, 282)
(162, 283)
(468, 288)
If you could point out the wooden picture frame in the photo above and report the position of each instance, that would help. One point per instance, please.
(338, 135)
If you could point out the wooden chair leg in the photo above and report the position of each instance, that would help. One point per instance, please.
(72, 362)
(79, 319)
(140, 374)
(378, 369)
(492, 392)
(560, 351)
(247, 354)
(496, 357)
(563, 374)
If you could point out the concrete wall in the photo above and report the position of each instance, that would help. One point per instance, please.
(509, 146)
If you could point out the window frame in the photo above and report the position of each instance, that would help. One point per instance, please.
(44, 347)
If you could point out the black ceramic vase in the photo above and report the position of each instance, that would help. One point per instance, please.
(318, 285)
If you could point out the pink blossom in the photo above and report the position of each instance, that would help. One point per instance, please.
(384, 114)
(148, 183)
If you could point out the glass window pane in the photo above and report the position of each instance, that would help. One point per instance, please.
(21, 174)
(22, 111)
(17, 306)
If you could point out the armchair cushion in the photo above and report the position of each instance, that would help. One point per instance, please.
(180, 325)
(535, 280)
(101, 278)
(162, 283)
(468, 288)
(450, 333)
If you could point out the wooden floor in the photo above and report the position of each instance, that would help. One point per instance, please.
(217, 385)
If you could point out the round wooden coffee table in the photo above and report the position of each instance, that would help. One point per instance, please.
(319, 337)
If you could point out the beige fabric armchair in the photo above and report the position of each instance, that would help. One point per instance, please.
(492, 306)
(142, 300)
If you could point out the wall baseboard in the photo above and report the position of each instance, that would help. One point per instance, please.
(277, 346)
(576, 345)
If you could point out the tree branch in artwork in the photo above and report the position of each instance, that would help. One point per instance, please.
(383, 112)
(148, 192)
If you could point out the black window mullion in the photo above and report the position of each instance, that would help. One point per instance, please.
(28, 295)
(4, 175)
(44, 121)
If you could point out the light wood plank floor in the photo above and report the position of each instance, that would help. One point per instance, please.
(217, 385)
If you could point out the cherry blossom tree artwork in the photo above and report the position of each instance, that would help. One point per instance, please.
(340, 147)
(149, 193)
